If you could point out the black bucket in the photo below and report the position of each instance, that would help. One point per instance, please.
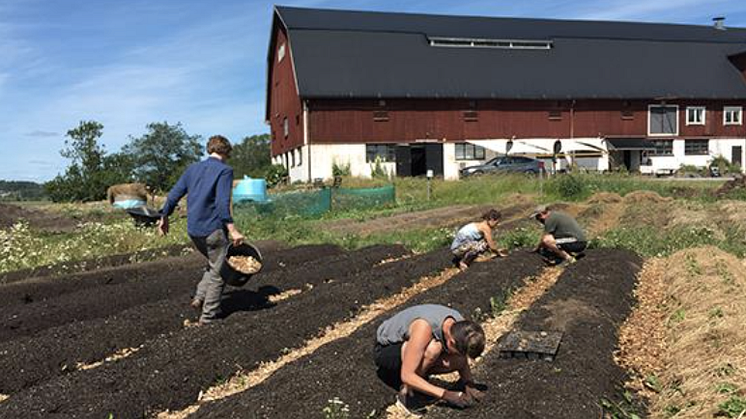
(144, 216)
(232, 276)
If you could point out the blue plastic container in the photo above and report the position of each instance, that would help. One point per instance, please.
(249, 189)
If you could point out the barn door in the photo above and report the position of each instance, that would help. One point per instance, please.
(434, 158)
(403, 160)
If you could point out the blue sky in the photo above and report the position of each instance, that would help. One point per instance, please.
(126, 63)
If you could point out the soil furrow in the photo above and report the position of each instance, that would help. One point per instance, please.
(345, 369)
(169, 373)
(589, 302)
(27, 361)
(39, 289)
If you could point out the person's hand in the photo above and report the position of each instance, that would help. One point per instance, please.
(458, 399)
(473, 393)
(237, 237)
(163, 226)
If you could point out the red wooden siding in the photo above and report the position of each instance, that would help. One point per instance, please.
(351, 121)
(284, 101)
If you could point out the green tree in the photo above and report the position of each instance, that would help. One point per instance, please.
(161, 155)
(251, 157)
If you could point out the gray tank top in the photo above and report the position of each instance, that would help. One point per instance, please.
(396, 329)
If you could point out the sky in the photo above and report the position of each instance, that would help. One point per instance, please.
(127, 63)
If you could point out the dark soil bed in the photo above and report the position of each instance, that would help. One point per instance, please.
(122, 289)
(589, 302)
(38, 219)
(56, 351)
(345, 368)
(169, 373)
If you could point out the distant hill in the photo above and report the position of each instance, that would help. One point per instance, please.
(12, 190)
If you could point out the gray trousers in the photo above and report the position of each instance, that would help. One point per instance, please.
(210, 288)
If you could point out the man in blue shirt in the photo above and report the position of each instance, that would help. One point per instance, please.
(209, 222)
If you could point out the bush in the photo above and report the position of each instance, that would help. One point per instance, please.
(570, 187)
(276, 174)
(377, 171)
(724, 166)
(339, 170)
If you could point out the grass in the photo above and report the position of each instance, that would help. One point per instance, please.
(22, 248)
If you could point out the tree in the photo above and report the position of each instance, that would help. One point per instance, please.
(83, 147)
(161, 155)
(251, 156)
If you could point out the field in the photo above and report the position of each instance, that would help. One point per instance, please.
(97, 323)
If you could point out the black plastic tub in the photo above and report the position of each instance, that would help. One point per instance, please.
(144, 216)
(232, 276)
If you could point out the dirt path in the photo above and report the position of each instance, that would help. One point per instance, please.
(439, 217)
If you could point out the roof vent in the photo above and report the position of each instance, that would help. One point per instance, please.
(489, 43)
(719, 22)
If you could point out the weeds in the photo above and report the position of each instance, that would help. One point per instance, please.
(625, 409)
(733, 407)
(336, 409)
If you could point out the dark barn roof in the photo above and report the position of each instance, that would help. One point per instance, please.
(388, 55)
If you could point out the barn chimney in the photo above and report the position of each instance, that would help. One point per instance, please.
(719, 22)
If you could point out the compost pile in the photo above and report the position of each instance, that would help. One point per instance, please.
(245, 264)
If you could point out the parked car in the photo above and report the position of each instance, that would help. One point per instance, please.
(505, 164)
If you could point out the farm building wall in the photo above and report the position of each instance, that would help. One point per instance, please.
(285, 110)
(396, 121)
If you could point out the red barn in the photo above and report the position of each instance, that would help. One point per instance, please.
(426, 92)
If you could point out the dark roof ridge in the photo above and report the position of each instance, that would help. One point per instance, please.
(528, 19)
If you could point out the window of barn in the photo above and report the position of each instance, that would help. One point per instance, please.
(695, 115)
(663, 120)
(662, 147)
(380, 116)
(732, 115)
(696, 147)
(467, 151)
(385, 152)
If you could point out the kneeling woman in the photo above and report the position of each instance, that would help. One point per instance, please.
(475, 239)
(428, 340)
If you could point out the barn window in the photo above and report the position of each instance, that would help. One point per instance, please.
(297, 119)
(292, 158)
(555, 114)
(467, 151)
(627, 112)
(696, 147)
(281, 52)
(285, 127)
(380, 116)
(695, 115)
(300, 157)
(662, 147)
(384, 152)
(489, 43)
(663, 120)
(471, 116)
(732, 115)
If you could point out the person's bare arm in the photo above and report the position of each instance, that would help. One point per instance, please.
(488, 236)
(420, 335)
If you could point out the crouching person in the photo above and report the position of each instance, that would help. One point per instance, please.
(562, 240)
(475, 239)
(428, 340)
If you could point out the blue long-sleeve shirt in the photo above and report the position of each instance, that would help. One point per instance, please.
(208, 184)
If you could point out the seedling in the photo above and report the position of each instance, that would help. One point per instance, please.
(732, 408)
(671, 410)
(478, 315)
(652, 382)
(726, 388)
(678, 316)
(692, 266)
(725, 370)
(618, 410)
(716, 313)
(336, 409)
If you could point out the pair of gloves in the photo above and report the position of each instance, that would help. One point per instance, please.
(464, 399)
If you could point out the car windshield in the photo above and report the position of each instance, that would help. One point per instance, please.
(494, 162)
